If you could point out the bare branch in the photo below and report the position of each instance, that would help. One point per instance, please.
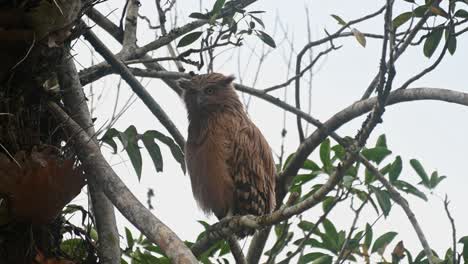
(257, 245)
(302, 72)
(105, 23)
(236, 250)
(131, 19)
(136, 87)
(91, 158)
(454, 230)
(103, 210)
(399, 51)
(315, 43)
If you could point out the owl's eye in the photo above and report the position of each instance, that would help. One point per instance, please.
(209, 90)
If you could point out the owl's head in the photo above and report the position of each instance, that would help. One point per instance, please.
(208, 92)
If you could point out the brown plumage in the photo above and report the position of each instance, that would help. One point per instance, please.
(229, 161)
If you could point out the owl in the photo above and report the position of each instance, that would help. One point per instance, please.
(230, 163)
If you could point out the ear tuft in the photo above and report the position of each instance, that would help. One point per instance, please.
(228, 79)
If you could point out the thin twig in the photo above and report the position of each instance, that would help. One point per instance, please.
(454, 230)
(136, 87)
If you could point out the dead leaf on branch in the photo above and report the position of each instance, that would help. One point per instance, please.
(38, 184)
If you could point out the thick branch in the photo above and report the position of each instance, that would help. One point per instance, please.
(131, 19)
(75, 102)
(236, 250)
(91, 158)
(357, 109)
(257, 245)
(105, 23)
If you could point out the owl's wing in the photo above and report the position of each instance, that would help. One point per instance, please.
(252, 169)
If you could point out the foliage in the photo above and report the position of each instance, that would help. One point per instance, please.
(129, 140)
(319, 240)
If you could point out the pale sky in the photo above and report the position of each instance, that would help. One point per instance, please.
(433, 132)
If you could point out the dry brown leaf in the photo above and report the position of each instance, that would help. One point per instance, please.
(39, 184)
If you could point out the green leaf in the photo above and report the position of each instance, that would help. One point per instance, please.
(395, 169)
(218, 5)
(348, 181)
(381, 141)
(75, 247)
(129, 237)
(376, 154)
(408, 188)
(451, 40)
(306, 225)
(339, 19)
(340, 152)
(314, 257)
(435, 179)
(368, 236)
(176, 151)
(432, 41)
(288, 160)
(327, 203)
(323, 260)
(225, 249)
(383, 198)
(325, 154)
(301, 179)
(204, 224)
(464, 241)
(266, 38)
(361, 38)
(132, 149)
(386, 169)
(402, 19)
(330, 230)
(259, 21)
(154, 151)
(461, 13)
(313, 243)
(369, 177)
(189, 38)
(420, 10)
(310, 165)
(199, 16)
(381, 243)
(421, 172)
(108, 138)
(154, 249)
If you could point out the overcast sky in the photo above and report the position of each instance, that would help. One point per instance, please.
(433, 132)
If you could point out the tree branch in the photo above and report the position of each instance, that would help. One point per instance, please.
(105, 24)
(136, 87)
(236, 250)
(131, 19)
(89, 154)
(401, 201)
(454, 230)
(103, 210)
